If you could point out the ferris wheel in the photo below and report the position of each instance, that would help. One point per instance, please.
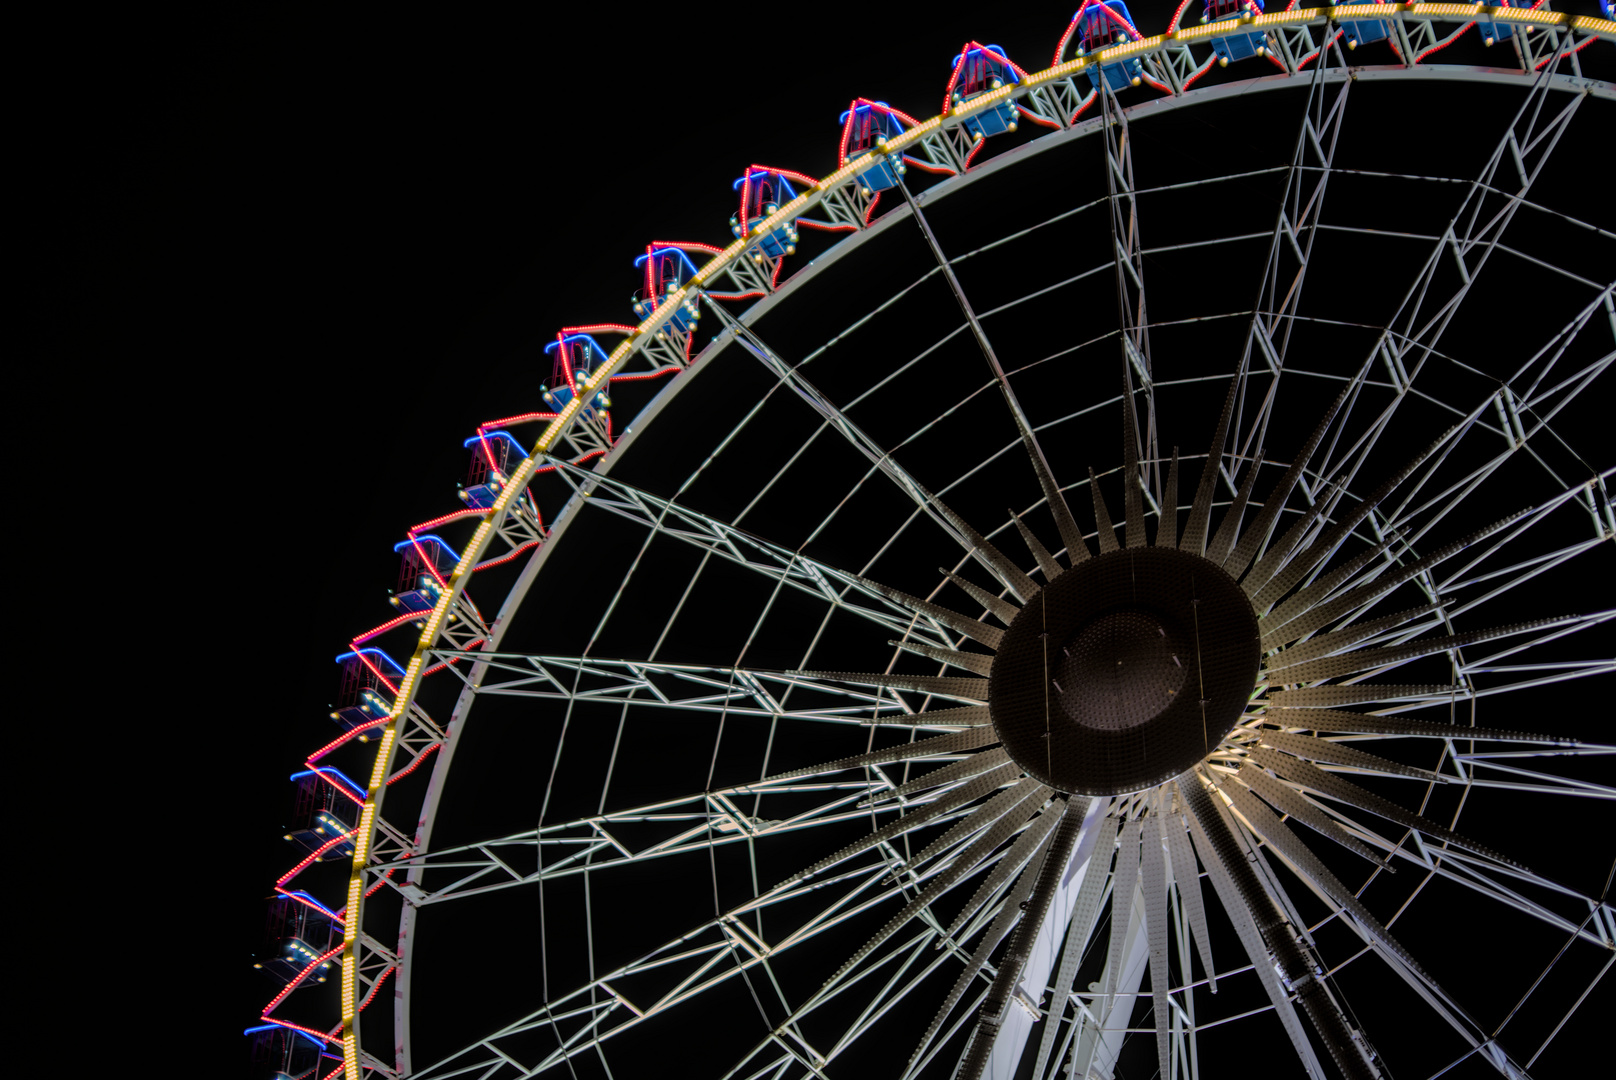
(954, 664)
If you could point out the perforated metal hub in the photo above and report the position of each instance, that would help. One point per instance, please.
(1125, 671)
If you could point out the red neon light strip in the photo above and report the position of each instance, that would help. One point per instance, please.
(333, 744)
(597, 453)
(602, 328)
(1090, 100)
(446, 518)
(657, 374)
(508, 556)
(431, 564)
(686, 245)
(1439, 46)
(1179, 14)
(293, 985)
(1070, 28)
(363, 659)
(440, 666)
(1035, 118)
(801, 178)
(390, 624)
(334, 1073)
(414, 764)
(321, 850)
(325, 1037)
(1202, 70)
(521, 419)
(383, 880)
(1561, 55)
(357, 801)
(375, 986)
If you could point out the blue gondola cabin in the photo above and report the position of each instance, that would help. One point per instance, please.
(866, 127)
(575, 356)
(1235, 46)
(363, 695)
(979, 70)
(1101, 25)
(1358, 32)
(494, 455)
(299, 931)
(324, 813)
(763, 192)
(666, 270)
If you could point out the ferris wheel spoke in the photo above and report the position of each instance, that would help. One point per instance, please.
(1297, 224)
(1245, 899)
(1127, 249)
(702, 959)
(691, 687)
(1410, 337)
(837, 419)
(1071, 535)
(773, 562)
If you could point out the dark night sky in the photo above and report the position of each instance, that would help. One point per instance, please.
(310, 251)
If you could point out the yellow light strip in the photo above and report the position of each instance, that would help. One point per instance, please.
(1603, 28)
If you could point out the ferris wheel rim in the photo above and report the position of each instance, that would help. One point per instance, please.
(1558, 81)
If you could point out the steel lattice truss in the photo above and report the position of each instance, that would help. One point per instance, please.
(1354, 575)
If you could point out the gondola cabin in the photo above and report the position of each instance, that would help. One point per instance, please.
(979, 70)
(323, 813)
(282, 1053)
(763, 192)
(866, 127)
(575, 356)
(427, 562)
(297, 934)
(1356, 32)
(1493, 32)
(1101, 24)
(665, 271)
(493, 456)
(1235, 46)
(366, 690)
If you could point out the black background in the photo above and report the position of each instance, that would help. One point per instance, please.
(291, 259)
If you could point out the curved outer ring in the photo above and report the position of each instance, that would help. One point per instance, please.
(364, 832)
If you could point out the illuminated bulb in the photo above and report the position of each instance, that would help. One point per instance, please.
(1012, 126)
(1351, 44)
(791, 249)
(1223, 61)
(995, 84)
(1261, 51)
(864, 191)
(1135, 80)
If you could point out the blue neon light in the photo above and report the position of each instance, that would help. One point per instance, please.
(676, 251)
(372, 652)
(282, 1027)
(842, 119)
(475, 439)
(401, 545)
(593, 344)
(327, 769)
(306, 897)
(790, 191)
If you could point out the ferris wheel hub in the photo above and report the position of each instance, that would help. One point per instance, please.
(1124, 671)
